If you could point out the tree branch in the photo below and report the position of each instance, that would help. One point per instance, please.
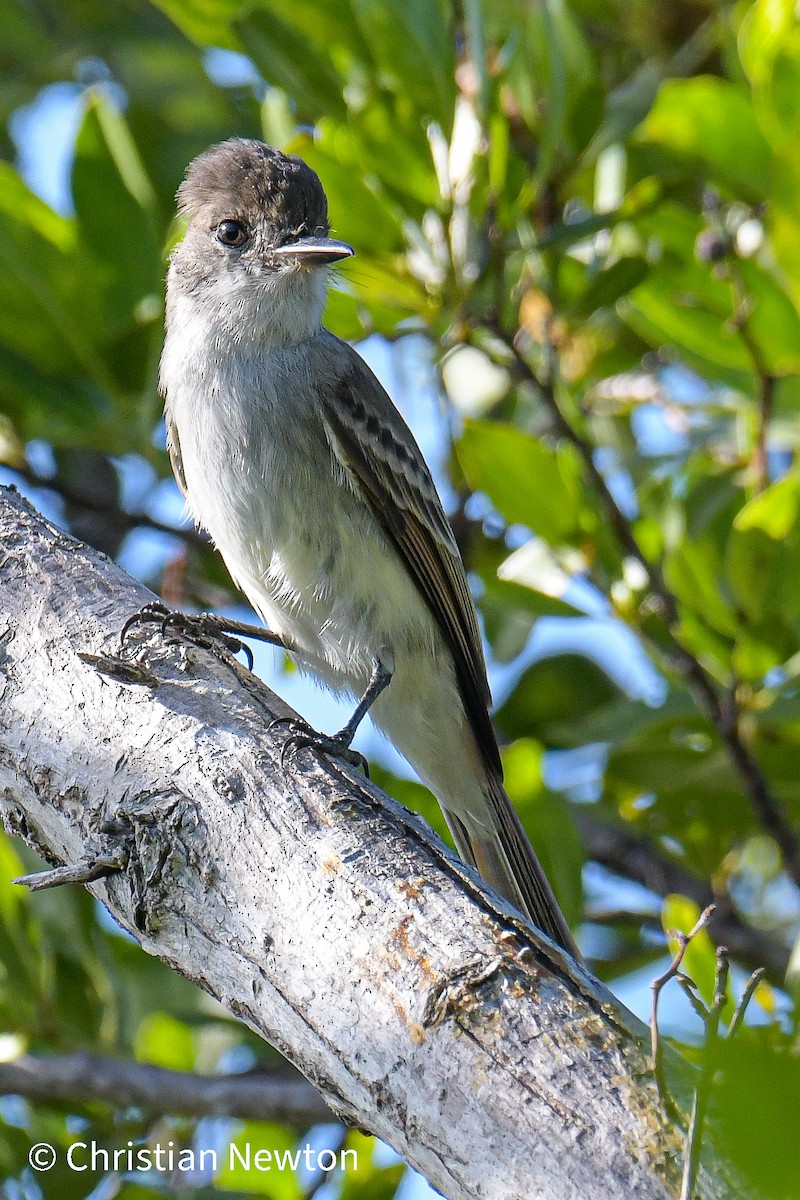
(324, 915)
(657, 987)
(118, 517)
(766, 404)
(766, 381)
(85, 1078)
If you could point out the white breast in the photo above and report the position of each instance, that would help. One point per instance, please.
(262, 480)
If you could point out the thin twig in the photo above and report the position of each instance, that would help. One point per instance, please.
(766, 381)
(657, 986)
(694, 1136)
(622, 916)
(690, 992)
(711, 1018)
(747, 996)
(766, 403)
(124, 519)
(86, 871)
(321, 1178)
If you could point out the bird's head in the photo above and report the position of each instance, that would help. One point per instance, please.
(256, 247)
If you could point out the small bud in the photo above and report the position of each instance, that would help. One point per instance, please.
(710, 247)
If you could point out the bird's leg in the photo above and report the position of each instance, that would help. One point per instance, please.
(212, 632)
(337, 744)
(205, 629)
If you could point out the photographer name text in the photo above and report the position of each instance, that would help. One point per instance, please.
(169, 1158)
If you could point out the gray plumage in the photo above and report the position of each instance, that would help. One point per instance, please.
(294, 459)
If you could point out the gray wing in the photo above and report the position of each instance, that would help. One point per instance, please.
(378, 452)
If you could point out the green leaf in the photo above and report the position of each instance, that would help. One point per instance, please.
(331, 27)
(710, 120)
(287, 60)
(760, 648)
(396, 161)
(262, 1159)
(552, 82)
(42, 295)
(772, 322)
(344, 315)
(412, 48)
(755, 1109)
(550, 72)
(665, 315)
(785, 221)
(769, 45)
(681, 303)
(527, 482)
(209, 23)
(692, 572)
(548, 823)
(774, 510)
(608, 285)
(779, 107)
(626, 106)
(764, 573)
(364, 1180)
(517, 589)
(507, 595)
(11, 894)
(385, 292)
(764, 29)
(713, 498)
(19, 967)
(620, 720)
(166, 1042)
(116, 213)
(555, 691)
(676, 783)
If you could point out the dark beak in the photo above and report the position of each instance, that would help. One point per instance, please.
(313, 251)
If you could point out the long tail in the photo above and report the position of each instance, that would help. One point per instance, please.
(506, 859)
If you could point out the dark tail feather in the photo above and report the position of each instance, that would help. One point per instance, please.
(507, 861)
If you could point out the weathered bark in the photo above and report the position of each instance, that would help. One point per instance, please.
(320, 912)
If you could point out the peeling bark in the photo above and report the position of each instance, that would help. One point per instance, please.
(314, 908)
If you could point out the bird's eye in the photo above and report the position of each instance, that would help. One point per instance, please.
(231, 233)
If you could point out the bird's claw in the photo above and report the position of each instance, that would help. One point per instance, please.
(155, 612)
(204, 629)
(302, 737)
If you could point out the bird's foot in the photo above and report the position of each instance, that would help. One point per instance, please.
(204, 629)
(301, 737)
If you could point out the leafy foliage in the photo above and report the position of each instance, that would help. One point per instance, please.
(591, 212)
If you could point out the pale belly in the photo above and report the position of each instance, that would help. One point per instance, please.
(309, 555)
(311, 559)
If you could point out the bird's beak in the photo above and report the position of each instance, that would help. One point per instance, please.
(312, 251)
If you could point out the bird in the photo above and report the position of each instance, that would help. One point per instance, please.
(296, 462)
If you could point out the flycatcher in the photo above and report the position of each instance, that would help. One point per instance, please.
(294, 459)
